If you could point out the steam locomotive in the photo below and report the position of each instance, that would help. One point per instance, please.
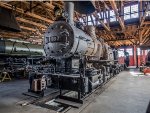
(14, 55)
(81, 60)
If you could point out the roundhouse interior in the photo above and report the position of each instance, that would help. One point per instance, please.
(75, 56)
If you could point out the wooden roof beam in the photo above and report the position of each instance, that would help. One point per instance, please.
(98, 11)
(147, 22)
(38, 5)
(109, 36)
(117, 43)
(131, 41)
(121, 22)
(103, 24)
(119, 39)
(60, 3)
(6, 35)
(140, 36)
(30, 22)
(144, 16)
(46, 5)
(19, 10)
(48, 8)
(28, 28)
(12, 34)
(106, 16)
(145, 33)
(9, 36)
(142, 19)
(106, 6)
(112, 36)
(145, 37)
(131, 35)
(84, 20)
(101, 21)
(146, 41)
(77, 16)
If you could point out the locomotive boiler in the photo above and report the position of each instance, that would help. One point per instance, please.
(83, 61)
(63, 40)
(16, 48)
(14, 55)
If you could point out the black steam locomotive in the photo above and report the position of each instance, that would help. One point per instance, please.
(14, 55)
(80, 61)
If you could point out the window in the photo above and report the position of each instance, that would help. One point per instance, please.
(134, 11)
(102, 13)
(134, 15)
(146, 51)
(105, 16)
(99, 15)
(90, 23)
(112, 13)
(112, 16)
(89, 18)
(98, 22)
(105, 21)
(126, 12)
(93, 17)
(94, 20)
(134, 8)
(138, 51)
(81, 20)
(120, 52)
(131, 11)
(148, 13)
(130, 51)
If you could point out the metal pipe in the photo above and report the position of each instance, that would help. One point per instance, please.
(69, 9)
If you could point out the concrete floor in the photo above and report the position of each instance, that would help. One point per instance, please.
(130, 93)
(11, 98)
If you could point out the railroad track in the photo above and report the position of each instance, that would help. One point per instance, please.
(41, 101)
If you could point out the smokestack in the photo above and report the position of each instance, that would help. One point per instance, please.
(82, 7)
(69, 9)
